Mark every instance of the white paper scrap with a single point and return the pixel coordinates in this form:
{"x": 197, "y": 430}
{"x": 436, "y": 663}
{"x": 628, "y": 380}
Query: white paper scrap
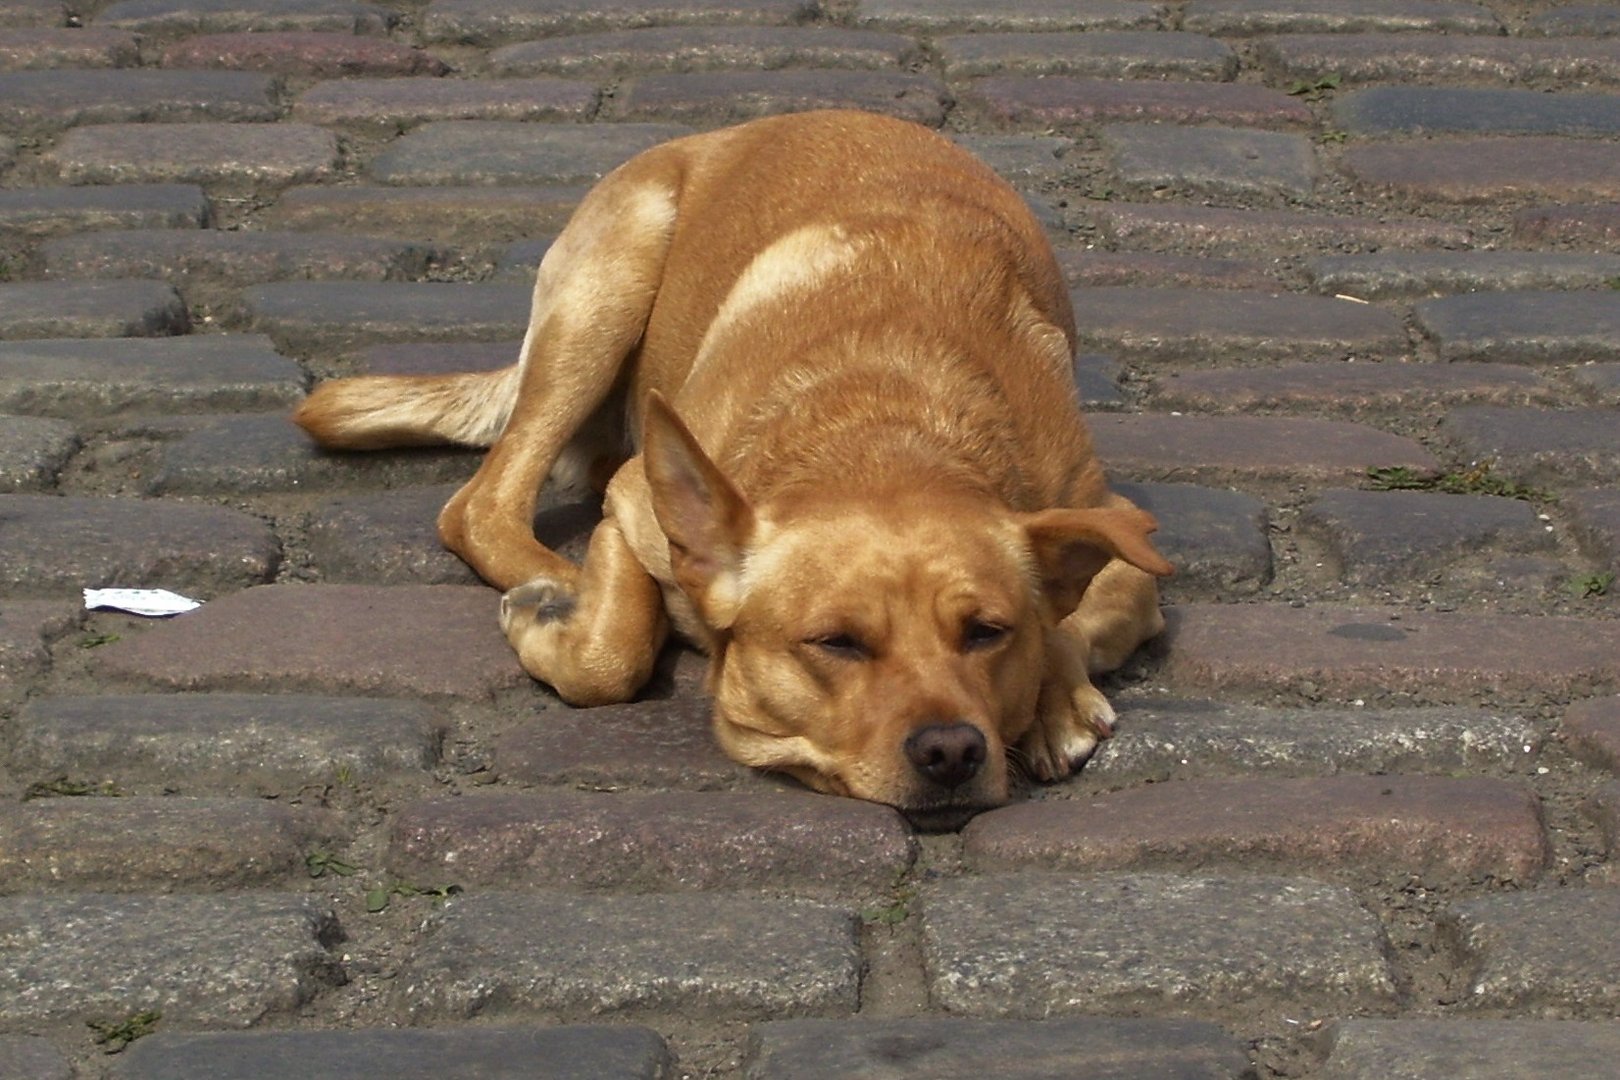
{"x": 153, "y": 602}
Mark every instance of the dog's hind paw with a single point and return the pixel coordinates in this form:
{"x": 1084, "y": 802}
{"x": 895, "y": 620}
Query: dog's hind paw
{"x": 539, "y": 601}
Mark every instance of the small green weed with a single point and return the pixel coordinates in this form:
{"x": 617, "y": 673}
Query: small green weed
{"x": 96, "y": 641}
{"x": 378, "y": 899}
{"x": 113, "y": 1035}
{"x": 1311, "y": 89}
{"x": 61, "y": 787}
{"x": 1593, "y": 585}
{"x": 1477, "y": 480}
{"x": 321, "y": 863}
{"x": 893, "y": 912}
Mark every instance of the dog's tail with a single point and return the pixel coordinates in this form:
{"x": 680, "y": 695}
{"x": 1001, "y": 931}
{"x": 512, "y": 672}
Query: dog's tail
{"x": 375, "y": 412}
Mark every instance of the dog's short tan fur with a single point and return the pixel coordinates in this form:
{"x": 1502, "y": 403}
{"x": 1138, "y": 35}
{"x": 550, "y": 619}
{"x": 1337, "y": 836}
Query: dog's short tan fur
{"x": 823, "y": 364}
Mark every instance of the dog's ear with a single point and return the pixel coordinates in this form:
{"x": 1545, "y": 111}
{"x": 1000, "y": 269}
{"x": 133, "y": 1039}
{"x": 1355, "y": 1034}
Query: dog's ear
{"x": 1071, "y": 546}
{"x": 707, "y": 520}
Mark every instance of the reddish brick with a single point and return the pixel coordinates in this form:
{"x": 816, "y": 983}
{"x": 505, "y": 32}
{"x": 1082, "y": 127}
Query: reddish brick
{"x": 487, "y": 22}
{"x": 1596, "y": 225}
{"x": 936, "y": 15}
{"x": 164, "y": 842}
{"x": 704, "y": 48}
{"x": 175, "y": 17}
{"x": 402, "y": 103}
{"x": 1216, "y": 231}
{"x": 1060, "y": 101}
{"x": 52, "y": 47}
{"x": 1431, "y": 58}
{"x": 431, "y": 640}
{"x": 1592, "y": 730}
{"x": 1479, "y": 170}
{"x": 1246, "y": 17}
{"x": 1443, "y": 830}
{"x": 1556, "y": 447}
{"x": 1212, "y": 449}
{"x": 1200, "y": 325}
{"x": 724, "y": 96}
{"x": 1349, "y": 389}
{"x": 663, "y": 840}
{"x": 298, "y": 52}
{"x": 1339, "y": 652}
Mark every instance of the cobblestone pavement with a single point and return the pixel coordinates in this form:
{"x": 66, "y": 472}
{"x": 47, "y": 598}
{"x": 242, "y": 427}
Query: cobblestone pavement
{"x": 1348, "y": 275}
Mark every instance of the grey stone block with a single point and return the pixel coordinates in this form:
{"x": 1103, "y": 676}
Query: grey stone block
{"x": 1456, "y": 1049}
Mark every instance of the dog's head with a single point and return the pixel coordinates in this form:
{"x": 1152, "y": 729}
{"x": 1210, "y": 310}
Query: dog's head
{"x": 888, "y": 651}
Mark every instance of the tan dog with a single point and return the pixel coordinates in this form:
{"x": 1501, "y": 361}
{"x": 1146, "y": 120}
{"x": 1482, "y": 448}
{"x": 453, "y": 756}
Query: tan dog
{"x": 861, "y": 482}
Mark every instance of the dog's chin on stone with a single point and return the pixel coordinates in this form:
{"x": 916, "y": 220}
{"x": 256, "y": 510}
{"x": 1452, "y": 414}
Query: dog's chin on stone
{"x": 942, "y": 818}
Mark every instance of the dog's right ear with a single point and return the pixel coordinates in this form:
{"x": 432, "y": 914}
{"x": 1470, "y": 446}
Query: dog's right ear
{"x": 706, "y": 519}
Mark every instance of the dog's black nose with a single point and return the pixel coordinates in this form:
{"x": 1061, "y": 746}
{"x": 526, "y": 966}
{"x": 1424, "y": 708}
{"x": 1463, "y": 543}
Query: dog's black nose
{"x": 948, "y": 754}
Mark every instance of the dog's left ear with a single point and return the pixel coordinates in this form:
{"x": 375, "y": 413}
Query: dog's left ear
{"x": 708, "y": 522}
{"x": 1072, "y": 546}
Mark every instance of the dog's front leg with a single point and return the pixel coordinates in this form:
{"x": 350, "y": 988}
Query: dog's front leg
{"x": 1118, "y": 612}
{"x": 593, "y": 639}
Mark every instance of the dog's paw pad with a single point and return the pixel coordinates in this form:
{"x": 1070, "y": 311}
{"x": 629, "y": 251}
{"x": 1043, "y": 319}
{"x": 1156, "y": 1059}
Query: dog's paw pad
{"x": 541, "y": 600}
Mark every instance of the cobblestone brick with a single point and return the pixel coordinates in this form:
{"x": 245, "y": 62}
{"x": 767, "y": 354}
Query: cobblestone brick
{"x": 645, "y": 744}
{"x": 47, "y": 211}
{"x": 39, "y": 309}
{"x": 403, "y": 103}
{"x": 1393, "y": 535}
{"x": 1525, "y": 327}
{"x": 26, "y": 627}
{"x": 1216, "y": 539}
{"x": 1351, "y": 390}
{"x": 249, "y": 744}
{"x": 1601, "y": 380}
{"x": 201, "y": 153}
{"x": 1218, "y": 231}
{"x": 33, "y": 451}
{"x": 1223, "y": 324}
{"x": 704, "y": 48}
{"x": 1595, "y": 520}
{"x": 1107, "y": 54}
{"x": 619, "y": 1052}
{"x": 49, "y": 47}
{"x": 33, "y": 13}
{"x": 72, "y": 377}
{"x": 955, "y": 1048}
{"x": 1341, "y": 652}
{"x": 1584, "y": 225}
{"x": 1062, "y": 102}
{"x": 658, "y": 840}
{"x": 425, "y": 640}
{"x": 1110, "y": 268}
{"x": 1427, "y": 273}
{"x": 488, "y": 22}
{"x": 154, "y": 843}
{"x": 227, "y": 961}
{"x": 33, "y": 1057}
{"x": 1432, "y": 110}
{"x": 501, "y": 152}
{"x": 1481, "y": 1049}
{"x": 1161, "y": 739}
{"x": 1212, "y": 449}
{"x": 301, "y": 52}
{"x": 1556, "y": 447}
{"x": 936, "y": 15}
{"x": 228, "y": 16}
{"x": 509, "y": 955}
{"x": 239, "y": 453}
{"x": 301, "y": 316}
{"x": 1573, "y": 19}
{"x": 1433, "y": 58}
{"x": 462, "y": 215}
{"x": 53, "y": 99}
{"x": 1550, "y": 950}
{"x": 1473, "y": 170}
{"x": 1592, "y": 730}
{"x": 1442, "y": 830}
{"x": 58, "y": 545}
{"x": 1211, "y": 161}
{"x": 713, "y": 97}
{"x": 232, "y": 257}
{"x": 1249, "y": 17}
{"x": 1026, "y": 945}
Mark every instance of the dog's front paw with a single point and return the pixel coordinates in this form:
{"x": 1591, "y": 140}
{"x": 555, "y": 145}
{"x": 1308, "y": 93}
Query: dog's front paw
{"x": 1070, "y": 724}
{"x": 539, "y": 601}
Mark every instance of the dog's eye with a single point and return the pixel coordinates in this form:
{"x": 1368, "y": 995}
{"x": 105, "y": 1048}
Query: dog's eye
{"x": 843, "y": 646}
{"x": 978, "y": 634}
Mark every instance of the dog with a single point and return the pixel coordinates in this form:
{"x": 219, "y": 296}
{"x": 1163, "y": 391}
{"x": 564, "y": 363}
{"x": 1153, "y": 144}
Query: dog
{"x": 820, "y": 367}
